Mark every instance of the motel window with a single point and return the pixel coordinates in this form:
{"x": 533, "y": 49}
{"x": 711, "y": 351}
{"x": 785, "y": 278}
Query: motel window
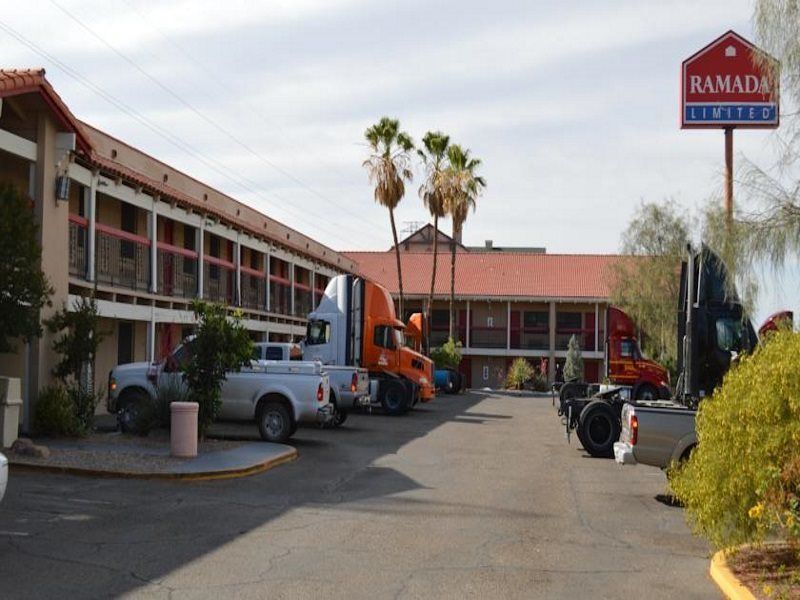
{"x": 568, "y": 321}
{"x": 127, "y": 223}
{"x": 440, "y": 318}
{"x": 536, "y": 319}
{"x": 213, "y": 270}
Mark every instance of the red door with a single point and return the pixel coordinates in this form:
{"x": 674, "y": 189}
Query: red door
{"x": 515, "y": 341}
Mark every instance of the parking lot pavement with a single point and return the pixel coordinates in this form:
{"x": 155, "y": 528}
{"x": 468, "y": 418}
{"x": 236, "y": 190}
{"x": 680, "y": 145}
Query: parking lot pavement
{"x": 470, "y": 496}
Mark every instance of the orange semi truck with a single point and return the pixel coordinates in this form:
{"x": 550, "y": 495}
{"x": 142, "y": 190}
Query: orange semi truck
{"x": 355, "y": 325}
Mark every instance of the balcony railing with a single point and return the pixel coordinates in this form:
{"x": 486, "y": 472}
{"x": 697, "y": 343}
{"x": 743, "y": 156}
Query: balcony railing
{"x": 280, "y": 295}
{"x": 122, "y": 258}
{"x": 440, "y": 333}
{"x": 530, "y": 339}
{"x": 585, "y": 338}
{"x": 303, "y": 300}
{"x": 77, "y": 245}
{"x": 218, "y": 280}
{"x": 488, "y": 337}
{"x": 177, "y": 271}
{"x": 254, "y": 289}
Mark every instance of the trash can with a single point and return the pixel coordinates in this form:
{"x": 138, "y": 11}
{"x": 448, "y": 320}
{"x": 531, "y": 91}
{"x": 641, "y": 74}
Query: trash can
{"x": 183, "y": 429}
{"x": 10, "y": 404}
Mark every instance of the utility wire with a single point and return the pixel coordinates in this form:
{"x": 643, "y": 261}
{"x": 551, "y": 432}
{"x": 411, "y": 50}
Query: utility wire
{"x": 177, "y": 97}
{"x": 155, "y": 128}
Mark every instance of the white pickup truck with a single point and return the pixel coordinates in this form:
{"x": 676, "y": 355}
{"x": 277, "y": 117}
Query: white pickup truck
{"x": 349, "y": 385}
{"x": 278, "y": 396}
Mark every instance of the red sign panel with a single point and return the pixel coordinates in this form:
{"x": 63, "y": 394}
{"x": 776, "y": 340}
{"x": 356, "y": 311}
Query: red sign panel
{"x": 722, "y": 85}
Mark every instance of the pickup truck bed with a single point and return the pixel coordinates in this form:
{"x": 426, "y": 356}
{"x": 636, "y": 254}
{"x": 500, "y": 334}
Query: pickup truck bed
{"x": 655, "y": 433}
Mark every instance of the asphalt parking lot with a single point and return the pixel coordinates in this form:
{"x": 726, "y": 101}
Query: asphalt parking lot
{"x": 476, "y": 495}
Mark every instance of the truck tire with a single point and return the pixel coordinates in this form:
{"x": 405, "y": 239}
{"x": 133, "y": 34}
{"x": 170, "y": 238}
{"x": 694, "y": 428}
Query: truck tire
{"x": 646, "y": 391}
{"x": 599, "y": 429}
{"x": 274, "y": 422}
{"x": 339, "y": 417}
{"x": 393, "y": 396}
{"x": 131, "y": 402}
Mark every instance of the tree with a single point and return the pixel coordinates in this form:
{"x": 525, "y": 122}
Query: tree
{"x": 646, "y": 284}
{"x": 573, "y": 366}
{"x": 24, "y": 289}
{"x": 432, "y": 193}
{"x": 220, "y": 345}
{"x": 462, "y": 189}
{"x": 389, "y": 167}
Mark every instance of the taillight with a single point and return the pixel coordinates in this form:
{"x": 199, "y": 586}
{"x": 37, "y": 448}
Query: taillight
{"x": 112, "y": 384}
{"x": 320, "y": 393}
{"x": 354, "y": 383}
{"x": 634, "y": 429}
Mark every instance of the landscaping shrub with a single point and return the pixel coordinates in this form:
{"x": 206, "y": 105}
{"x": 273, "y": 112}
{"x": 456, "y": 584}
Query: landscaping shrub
{"x": 518, "y": 374}
{"x": 83, "y": 404}
{"x": 448, "y": 355}
{"x": 155, "y": 413}
{"x": 742, "y": 483}
{"x": 539, "y": 381}
{"x": 573, "y": 366}
{"x": 54, "y": 413}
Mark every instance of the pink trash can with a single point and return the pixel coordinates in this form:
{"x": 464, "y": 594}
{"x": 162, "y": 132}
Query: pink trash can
{"x": 183, "y": 430}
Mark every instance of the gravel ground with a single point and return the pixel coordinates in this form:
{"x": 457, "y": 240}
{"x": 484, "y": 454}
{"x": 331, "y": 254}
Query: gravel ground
{"x": 115, "y": 452}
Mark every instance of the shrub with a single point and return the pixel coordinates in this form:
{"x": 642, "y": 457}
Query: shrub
{"x": 539, "y": 382}
{"x": 83, "y": 404}
{"x": 155, "y": 413}
{"x": 573, "y": 367}
{"x": 519, "y": 373}
{"x": 742, "y": 482}
{"x": 54, "y": 411}
{"x": 448, "y": 355}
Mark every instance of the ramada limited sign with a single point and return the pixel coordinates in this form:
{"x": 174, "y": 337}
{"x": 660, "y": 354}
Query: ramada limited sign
{"x": 725, "y": 85}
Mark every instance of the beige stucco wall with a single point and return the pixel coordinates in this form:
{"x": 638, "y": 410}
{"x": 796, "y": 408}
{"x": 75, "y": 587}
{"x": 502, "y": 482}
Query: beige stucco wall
{"x": 14, "y": 170}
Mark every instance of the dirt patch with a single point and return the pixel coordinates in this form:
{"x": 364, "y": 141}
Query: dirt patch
{"x": 771, "y": 570}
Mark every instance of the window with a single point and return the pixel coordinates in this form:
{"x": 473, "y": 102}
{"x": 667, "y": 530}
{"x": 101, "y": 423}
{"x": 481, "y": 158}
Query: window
{"x": 127, "y": 223}
{"x": 213, "y": 270}
{"x": 125, "y": 343}
{"x": 253, "y": 260}
{"x": 385, "y": 337}
{"x": 273, "y": 353}
{"x": 440, "y": 318}
{"x": 628, "y": 349}
{"x": 318, "y": 332}
{"x": 486, "y": 373}
{"x": 565, "y": 320}
{"x": 536, "y": 319}
{"x": 729, "y": 335}
{"x": 179, "y": 359}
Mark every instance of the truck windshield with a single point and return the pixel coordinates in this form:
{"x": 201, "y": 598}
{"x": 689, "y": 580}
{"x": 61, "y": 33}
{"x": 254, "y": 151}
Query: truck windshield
{"x": 729, "y": 334}
{"x": 318, "y": 332}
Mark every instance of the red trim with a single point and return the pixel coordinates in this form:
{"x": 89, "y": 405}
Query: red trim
{"x": 123, "y": 235}
{"x": 302, "y": 286}
{"x": 277, "y": 279}
{"x": 253, "y": 272}
{"x": 78, "y": 220}
{"x": 176, "y": 250}
{"x": 213, "y": 260}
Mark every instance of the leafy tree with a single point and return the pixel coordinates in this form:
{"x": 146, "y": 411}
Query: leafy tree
{"x": 78, "y": 339}
{"x": 462, "y": 189}
{"x": 573, "y": 367}
{"x": 220, "y": 345}
{"x": 432, "y": 193}
{"x": 389, "y": 168}
{"x": 646, "y": 285}
{"x": 448, "y": 355}
{"x": 24, "y": 289}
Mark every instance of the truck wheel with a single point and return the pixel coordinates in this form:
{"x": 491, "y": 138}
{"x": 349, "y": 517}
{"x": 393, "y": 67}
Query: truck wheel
{"x": 129, "y": 407}
{"x": 599, "y": 429}
{"x": 646, "y": 392}
{"x": 393, "y": 397}
{"x": 339, "y": 417}
{"x": 274, "y": 422}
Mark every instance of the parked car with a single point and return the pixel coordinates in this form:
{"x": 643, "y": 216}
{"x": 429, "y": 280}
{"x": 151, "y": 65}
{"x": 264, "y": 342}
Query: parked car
{"x": 3, "y": 475}
{"x": 349, "y": 385}
{"x": 277, "y": 396}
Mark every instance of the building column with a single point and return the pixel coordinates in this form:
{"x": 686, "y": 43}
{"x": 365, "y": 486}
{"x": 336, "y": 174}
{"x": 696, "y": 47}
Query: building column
{"x": 201, "y": 238}
{"x": 151, "y": 337}
{"x": 237, "y": 256}
{"x": 596, "y": 325}
{"x": 313, "y": 276}
{"x": 90, "y": 197}
{"x": 469, "y": 322}
{"x": 268, "y": 283}
{"x": 508, "y": 326}
{"x": 291, "y": 288}
{"x": 551, "y": 363}
{"x": 153, "y": 231}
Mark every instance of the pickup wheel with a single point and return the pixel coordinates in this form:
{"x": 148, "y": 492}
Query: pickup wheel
{"x": 339, "y": 417}
{"x": 130, "y": 404}
{"x": 393, "y": 397}
{"x": 274, "y": 422}
{"x": 599, "y": 429}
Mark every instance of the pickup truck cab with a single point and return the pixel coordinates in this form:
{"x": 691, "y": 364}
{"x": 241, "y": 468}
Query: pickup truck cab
{"x": 349, "y": 385}
{"x": 278, "y": 396}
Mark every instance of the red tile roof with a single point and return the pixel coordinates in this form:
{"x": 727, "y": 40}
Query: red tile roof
{"x": 14, "y": 82}
{"x": 506, "y": 274}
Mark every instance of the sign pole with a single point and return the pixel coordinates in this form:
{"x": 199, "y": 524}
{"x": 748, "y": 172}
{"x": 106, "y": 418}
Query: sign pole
{"x": 728, "y": 177}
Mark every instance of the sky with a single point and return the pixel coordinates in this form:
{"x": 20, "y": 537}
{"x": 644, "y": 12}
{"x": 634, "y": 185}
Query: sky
{"x": 573, "y": 107}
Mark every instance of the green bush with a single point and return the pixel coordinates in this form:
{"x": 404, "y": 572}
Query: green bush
{"x": 742, "y": 483}
{"x": 539, "y": 382}
{"x": 448, "y": 355}
{"x": 519, "y": 373}
{"x": 83, "y": 405}
{"x": 155, "y": 413}
{"x": 54, "y": 412}
{"x": 573, "y": 366}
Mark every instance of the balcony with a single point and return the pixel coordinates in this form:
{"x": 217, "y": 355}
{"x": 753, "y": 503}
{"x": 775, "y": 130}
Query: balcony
{"x": 440, "y": 333}
{"x": 530, "y": 338}
{"x": 585, "y": 338}
{"x": 177, "y": 271}
{"x": 219, "y": 278}
{"x": 77, "y": 245}
{"x": 280, "y": 295}
{"x": 254, "y": 292}
{"x": 122, "y": 258}
{"x": 488, "y": 337}
{"x": 303, "y": 300}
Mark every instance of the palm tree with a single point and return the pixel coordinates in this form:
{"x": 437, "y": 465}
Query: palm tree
{"x": 463, "y": 186}
{"x": 432, "y": 194}
{"x": 389, "y": 167}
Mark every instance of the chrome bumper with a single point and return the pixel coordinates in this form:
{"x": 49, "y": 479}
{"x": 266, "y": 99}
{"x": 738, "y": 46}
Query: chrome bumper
{"x": 623, "y": 453}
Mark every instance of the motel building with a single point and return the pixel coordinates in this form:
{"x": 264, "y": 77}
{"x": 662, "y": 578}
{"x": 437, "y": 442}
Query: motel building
{"x": 509, "y": 302}
{"x": 145, "y": 238}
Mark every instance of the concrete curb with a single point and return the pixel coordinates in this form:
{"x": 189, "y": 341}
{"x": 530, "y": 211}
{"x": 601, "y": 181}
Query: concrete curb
{"x": 727, "y": 582}
{"x": 266, "y": 465}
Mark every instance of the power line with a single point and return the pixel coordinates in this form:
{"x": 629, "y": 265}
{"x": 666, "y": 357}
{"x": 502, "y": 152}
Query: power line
{"x": 212, "y": 164}
{"x": 205, "y": 117}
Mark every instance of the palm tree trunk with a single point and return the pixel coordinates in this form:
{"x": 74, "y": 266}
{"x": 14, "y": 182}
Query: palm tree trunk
{"x": 429, "y": 315}
{"x": 453, "y": 284}
{"x": 399, "y": 269}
